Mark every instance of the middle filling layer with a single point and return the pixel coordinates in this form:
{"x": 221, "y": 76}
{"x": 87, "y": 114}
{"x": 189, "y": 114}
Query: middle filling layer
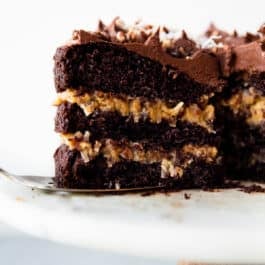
{"x": 173, "y": 163}
{"x": 156, "y": 110}
{"x": 250, "y": 103}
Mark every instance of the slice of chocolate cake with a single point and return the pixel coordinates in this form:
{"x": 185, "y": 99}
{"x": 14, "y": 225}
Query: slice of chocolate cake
{"x": 134, "y": 110}
{"x": 243, "y": 102}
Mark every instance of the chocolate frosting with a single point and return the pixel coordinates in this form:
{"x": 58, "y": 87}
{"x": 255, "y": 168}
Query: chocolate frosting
{"x": 248, "y": 57}
{"x": 202, "y": 66}
{"x": 182, "y": 47}
{"x": 239, "y": 53}
{"x": 223, "y": 37}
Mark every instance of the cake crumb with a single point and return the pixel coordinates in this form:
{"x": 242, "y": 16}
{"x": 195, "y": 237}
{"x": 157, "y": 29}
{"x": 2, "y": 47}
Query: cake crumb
{"x": 148, "y": 193}
{"x": 187, "y": 196}
{"x": 253, "y": 188}
{"x": 20, "y": 199}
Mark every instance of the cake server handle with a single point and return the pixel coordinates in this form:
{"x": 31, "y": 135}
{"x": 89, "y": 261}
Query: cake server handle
{"x": 48, "y": 184}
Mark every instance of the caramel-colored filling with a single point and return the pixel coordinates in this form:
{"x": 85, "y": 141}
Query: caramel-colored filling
{"x": 196, "y": 115}
{"x": 169, "y": 168}
{"x": 156, "y": 110}
{"x": 80, "y": 142}
{"x": 114, "y": 152}
{"x": 250, "y": 103}
{"x": 206, "y": 151}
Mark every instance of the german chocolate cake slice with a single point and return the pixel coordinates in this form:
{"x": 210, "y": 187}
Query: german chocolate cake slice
{"x": 243, "y": 102}
{"x": 134, "y": 110}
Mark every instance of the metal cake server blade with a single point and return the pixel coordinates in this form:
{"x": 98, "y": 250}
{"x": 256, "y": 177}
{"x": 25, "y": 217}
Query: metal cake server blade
{"x": 48, "y": 184}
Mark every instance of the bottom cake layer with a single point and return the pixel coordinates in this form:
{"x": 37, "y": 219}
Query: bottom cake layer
{"x": 244, "y": 170}
{"x": 72, "y": 172}
{"x": 244, "y": 161}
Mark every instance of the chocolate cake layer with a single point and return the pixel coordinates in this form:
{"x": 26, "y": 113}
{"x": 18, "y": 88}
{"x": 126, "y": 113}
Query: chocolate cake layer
{"x": 240, "y": 165}
{"x": 70, "y": 119}
{"x": 73, "y": 172}
{"x": 113, "y": 68}
{"x": 242, "y": 145}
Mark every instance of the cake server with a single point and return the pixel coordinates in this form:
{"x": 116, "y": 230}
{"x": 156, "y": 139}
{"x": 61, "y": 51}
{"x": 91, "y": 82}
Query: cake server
{"x": 48, "y": 184}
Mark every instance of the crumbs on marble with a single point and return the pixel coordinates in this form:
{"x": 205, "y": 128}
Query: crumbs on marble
{"x": 187, "y": 196}
{"x": 20, "y": 199}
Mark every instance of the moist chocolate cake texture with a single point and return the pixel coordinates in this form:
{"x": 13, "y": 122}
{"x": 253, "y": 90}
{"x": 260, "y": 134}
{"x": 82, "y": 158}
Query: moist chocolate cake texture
{"x": 242, "y": 103}
{"x": 139, "y": 106}
{"x": 135, "y": 109}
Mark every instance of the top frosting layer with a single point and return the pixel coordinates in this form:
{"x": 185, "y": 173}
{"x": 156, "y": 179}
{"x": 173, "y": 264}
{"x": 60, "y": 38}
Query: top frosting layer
{"x": 231, "y": 53}
{"x": 239, "y": 53}
{"x": 181, "y": 53}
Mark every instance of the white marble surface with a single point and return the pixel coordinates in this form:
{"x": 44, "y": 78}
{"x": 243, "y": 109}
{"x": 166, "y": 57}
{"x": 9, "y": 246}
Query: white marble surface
{"x": 17, "y": 248}
{"x": 215, "y": 227}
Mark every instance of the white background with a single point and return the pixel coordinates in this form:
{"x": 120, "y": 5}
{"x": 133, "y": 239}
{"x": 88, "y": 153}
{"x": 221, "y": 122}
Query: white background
{"x": 30, "y": 31}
